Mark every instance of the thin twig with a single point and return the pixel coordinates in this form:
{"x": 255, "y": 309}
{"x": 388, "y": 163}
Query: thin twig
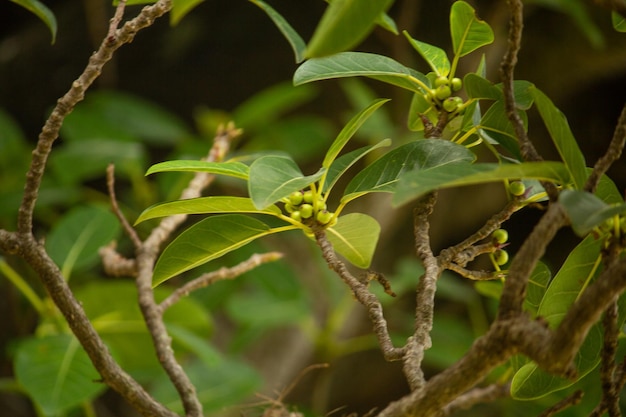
{"x": 612, "y": 154}
{"x": 132, "y": 234}
{"x": 146, "y": 258}
{"x": 219, "y": 275}
{"x": 115, "y": 264}
{"x": 476, "y": 275}
{"x": 363, "y": 295}
{"x": 563, "y": 404}
{"x": 476, "y": 396}
{"x": 425, "y": 292}
{"x": 507, "y": 69}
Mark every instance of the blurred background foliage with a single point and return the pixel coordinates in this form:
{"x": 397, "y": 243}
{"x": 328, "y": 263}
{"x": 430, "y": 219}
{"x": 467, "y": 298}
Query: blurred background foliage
{"x": 163, "y": 96}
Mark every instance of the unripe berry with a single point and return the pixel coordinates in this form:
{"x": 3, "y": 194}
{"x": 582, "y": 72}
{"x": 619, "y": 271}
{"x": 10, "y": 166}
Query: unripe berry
{"x": 517, "y": 188}
{"x": 450, "y": 104}
{"x": 324, "y": 216}
{"x": 443, "y": 92}
{"x": 296, "y": 216}
{"x": 501, "y": 257}
{"x": 306, "y": 210}
{"x": 456, "y": 84}
{"x": 296, "y": 198}
{"x": 308, "y": 196}
{"x": 441, "y": 80}
{"x": 500, "y": 236}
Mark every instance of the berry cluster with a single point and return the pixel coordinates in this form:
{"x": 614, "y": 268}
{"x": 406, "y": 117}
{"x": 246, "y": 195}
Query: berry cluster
{"x": 441, "y": 96}
{"x": 305, "y": 206}
{"x": 500, "y": 237}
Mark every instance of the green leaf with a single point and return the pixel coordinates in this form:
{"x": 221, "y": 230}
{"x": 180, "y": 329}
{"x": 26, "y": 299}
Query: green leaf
{"x": 274, "y": 177}
{"x": 562, "y": 137}
{"x": 415, "y": 184}
{"x": 354, "y": 237}
{"x": 42, "y": 12}
{"x": 383, "y": 175}
{"x": 354, "y": 64}
{"x": 345, "y": 23}
{"x": 421, "y": 106}
{"x": 579, "y": 268}
{"x": 496, "y": 128}
{"x": 619, "y": 22}
{"x": 204, "y": 205}
{"x": 231, "y": 169}
{"x": 436, "y": 57}
{"x": 294, "y": 39}
{"x": 207, "y": 240}
{"x": 75, "y": 240}
{"x": 481, "y": 88}
{"x": 349, "y": 130}
{"x": 468, "y": 31}
{"x": 57, "y": 373}
{"x": 537, "y": 286}
{"x": 344, "y": 162}
{"x": 586, "y": 211}
{"x": 180, "y": 8}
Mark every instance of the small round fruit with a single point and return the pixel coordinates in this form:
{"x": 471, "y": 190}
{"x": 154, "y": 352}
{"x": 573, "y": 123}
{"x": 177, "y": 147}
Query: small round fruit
{"x": 308, "y": 196}
{"x": 324, "y": 216}
{"x": 296, "y": 216}
{"x": 456, "y": 84}
{"x": 608, "y": 225}
{"x": 517, "y": 188}
{"x": 441, "y": 80}
{"x": 450, "y": 104}
{"x": 443, "y": 92}
{"x": 500, "y": 236}
{"x": 296, "y": 198}
{"x": 501, "y": 257}
{"x": 306, "y": 210}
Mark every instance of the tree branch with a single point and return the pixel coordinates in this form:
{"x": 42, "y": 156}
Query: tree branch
{"x": 476, "y": 396}
{"x": 219, "y": 275}
{"x": 612, "y": 154}
{"x": 363, "y": 295}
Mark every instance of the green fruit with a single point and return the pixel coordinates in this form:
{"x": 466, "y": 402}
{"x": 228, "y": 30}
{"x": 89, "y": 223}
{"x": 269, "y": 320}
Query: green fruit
{"x": 289, "y": 208}
{"x": 324, "y": 216}
{"x": 296, "y": 216}
{"x": 500, "y": 236}
{"x": 450, "y": 104}
{"x": 517, "y": 188}
{"x": 443, "y": 92}
{"x": 308, "y": 196}
{"x": 441, "y": 80}
{"x": 501, "y": 257}
{"x": 306, "y": 210}
{"x": 456, "y": 84}
{"x": 296, "y": 198}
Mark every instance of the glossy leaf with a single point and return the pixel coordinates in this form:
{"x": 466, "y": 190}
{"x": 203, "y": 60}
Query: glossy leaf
{"x": 349, "y": 130}
{"x": 42, "y": 12}
{"x": 579, "y": 268}
{"x": 297, "y": 43}
{"x": 562, "y": 137}
{"x": 496, "y": 128}
{"x": 231, "y": 169}
{"x": 468, "y": 31}
{"x": 204, "y": 205}
{"x": 207, "y": 240}
{"x": 383, "y": 174}
{"x": 345, "y": 23}
{"x": 274, "y": 177}
{"x": 75, "y": 240}
{"x": 355, "y": 237}
{"x": 415, "y": 184}
{"x": 481, "y": 88}
{"x": 537, "y": 286}
{"x": 354, "y": 64}
{"x": 434, "y": 56}
{"x": 586, "y": 211}
{"x": 57, "y": 373}
{"x": 344, "y": 162}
